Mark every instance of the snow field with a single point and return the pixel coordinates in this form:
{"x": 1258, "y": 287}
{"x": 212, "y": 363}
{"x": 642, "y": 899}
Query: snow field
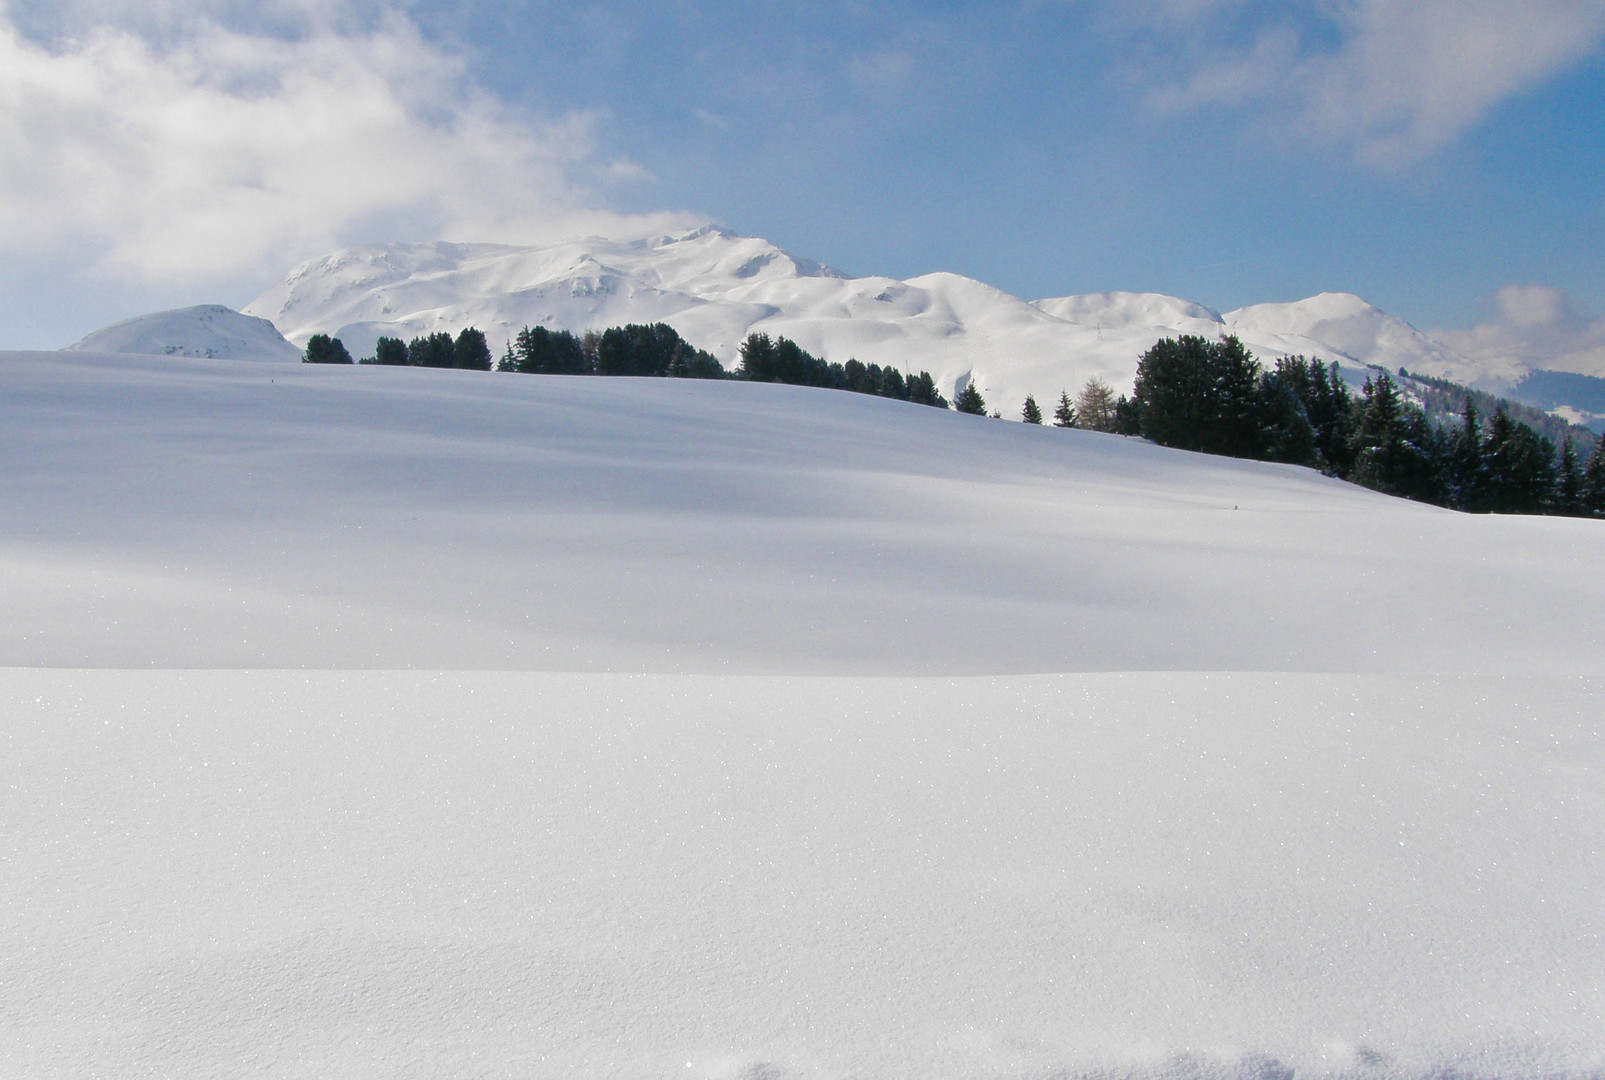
{"x": 797, "y": 735}
{"x": 313, "y": 874}
{"x": 192, "y": 513}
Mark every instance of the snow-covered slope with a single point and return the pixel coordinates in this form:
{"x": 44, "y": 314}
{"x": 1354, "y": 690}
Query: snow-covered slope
{"x": 210, "y": 330}
{"x": 831, "y": 737}
{"x": 1343, "y": 325}
{"x": 716, "y": 287}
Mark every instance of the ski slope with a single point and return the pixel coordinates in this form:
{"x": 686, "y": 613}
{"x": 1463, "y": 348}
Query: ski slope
{"x": 400, "y": 722}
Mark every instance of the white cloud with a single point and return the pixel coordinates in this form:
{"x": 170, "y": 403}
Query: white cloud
{"x": 1537, "y": 326}
{"x": 189, "y": 148}
{"x": 1391, "y": 80}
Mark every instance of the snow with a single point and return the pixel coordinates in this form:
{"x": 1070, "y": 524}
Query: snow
{"x": 716, "y": 287}
{"x": 378, "y": 722}
{"x": 1344, "y": 324}
{"x": 210, "y": 330}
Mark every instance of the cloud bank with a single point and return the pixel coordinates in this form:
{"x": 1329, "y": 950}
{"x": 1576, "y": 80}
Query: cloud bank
{"x": 1391, "y": 81}
{"x": 177, "y": 145}
{"x": 1539, "y": 326}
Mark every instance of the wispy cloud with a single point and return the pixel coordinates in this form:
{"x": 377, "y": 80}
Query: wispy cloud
{"x": 1391, "y": 81}
{"x": 176, "y": 144}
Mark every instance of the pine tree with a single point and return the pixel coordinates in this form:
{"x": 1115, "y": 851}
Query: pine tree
{"x": 1468, "y": 472}
{"x": 757, "y": 359}
{"x": 969, "y": 400}
{"x": 1521, "y": 467}
{"x": 1065, "y": 414}
{"x": 438, "y": 350}
{"x": 391, "y": 352}
{"x": 922, "y": 391}
{"x": 1569, "y": 481}
{"x": 1378, "y": 443}
{"x": 1593, "y": 492}
{"x": 471, "y": 351}
{"x": 1029, "y": 412}
{"x": 1285, "y": 433}
{"x": 1198, "y": 395}
{"x": 323, "y": 349}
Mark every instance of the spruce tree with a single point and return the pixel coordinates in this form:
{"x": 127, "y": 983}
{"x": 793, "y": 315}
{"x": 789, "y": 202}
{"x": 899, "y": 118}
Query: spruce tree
{"x": 1593, "y": 492}
{"x": 1569, "y": 481}
{"x": 471, "y": 351}
{"x": 1029, "y": 412}
{"x": 922, "y": 391}
{"x": 757, "y": 359}
{"x": 438, "y": 350}
{"x": 969, "y": 400}
{"x": 1468, "y": 471}
{"x": 1378, "y": 444}
{"x": 1285, "y": 433}
{"x": 1064, "y": 415}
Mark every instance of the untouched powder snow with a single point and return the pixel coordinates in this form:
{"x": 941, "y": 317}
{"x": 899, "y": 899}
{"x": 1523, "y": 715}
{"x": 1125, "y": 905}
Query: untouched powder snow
{"x": 794, "y": 735}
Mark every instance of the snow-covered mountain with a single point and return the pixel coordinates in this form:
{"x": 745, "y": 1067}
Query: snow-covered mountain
{"x": 716, "y": 287}
{"x": 209, "y": 330}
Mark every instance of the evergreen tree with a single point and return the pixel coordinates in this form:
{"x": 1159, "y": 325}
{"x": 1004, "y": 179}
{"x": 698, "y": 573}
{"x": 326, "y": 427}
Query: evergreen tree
{"x": 323, "y": 349}
{"x": 1198, "y": 395}
{"x": 438, "y": 350}
{"x": 391, "y": 352}
{"x": 1064, "y": 414}
{"x": 1593, "y": 492}
{"x": 1029, "y": 412}
{"x": 969, "y": 400}
{"x": 509, "y": 360}
{"x": 757, "y": 359}
{"x": 1569, "y": 481}
{"x": 922, "y": 391}
{"x": 1095, "y": 406}
{"x": 471, "y": 351}
{"x": 1467, "y": 469}
{"x": 893, "y": 384}
{"x": 854, "y": 377}
{"x": 539, "y": 351}
{"x": 1330, "y": 408}
{"x": 1521, "y": 467}
{"x": 1128, "y": 417}
{"x": 1285, "y": 433}
{"x": 1378, "y": 446}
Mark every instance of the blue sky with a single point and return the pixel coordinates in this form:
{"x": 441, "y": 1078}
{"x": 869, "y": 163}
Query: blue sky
{"x": 1425, "y": 154}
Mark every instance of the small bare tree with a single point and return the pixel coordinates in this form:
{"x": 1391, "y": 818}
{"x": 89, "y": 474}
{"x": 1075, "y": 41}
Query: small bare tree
{"x": 1095, "y": 406}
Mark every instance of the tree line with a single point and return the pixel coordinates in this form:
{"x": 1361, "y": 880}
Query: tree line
{"x": 1214, "y": 397}
{"x": 655, "y": 350}
{"x": 1190, "y": 393}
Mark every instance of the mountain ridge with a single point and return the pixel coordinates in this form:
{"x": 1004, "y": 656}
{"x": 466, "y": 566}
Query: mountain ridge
{"x": 715, "y": 287}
